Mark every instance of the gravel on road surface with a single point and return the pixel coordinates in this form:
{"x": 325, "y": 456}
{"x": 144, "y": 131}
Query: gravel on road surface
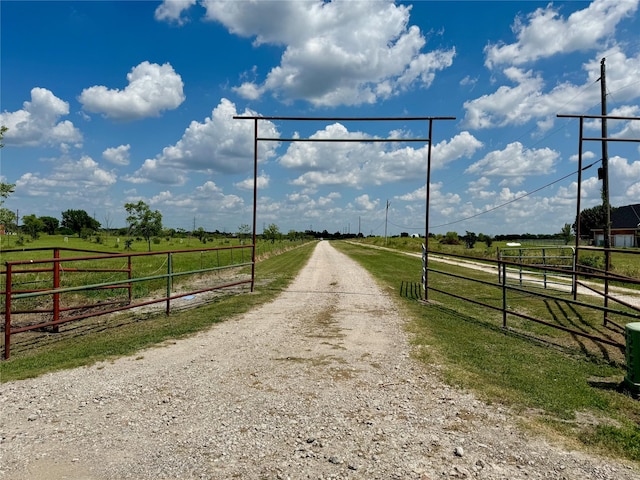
{"x": 317, "y": 384}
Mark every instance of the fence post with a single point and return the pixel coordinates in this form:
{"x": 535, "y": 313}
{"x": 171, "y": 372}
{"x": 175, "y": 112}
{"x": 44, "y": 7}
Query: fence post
{"x": 129, "y": 287}
{"x": 520, "y": 262}
{"x": 544, "y": 264}
{"x": 503, "y": 266}
{"x": 425, "y": 273}
{"x": 169, "y": 278}
{"x": 56, "y": 285}
{"x": 574, "y": 274}
{"x": 7, "y": 313}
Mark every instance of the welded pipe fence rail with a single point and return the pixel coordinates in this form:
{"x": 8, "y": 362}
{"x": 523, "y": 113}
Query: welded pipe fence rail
{"x": 46, "y": 292}
{"x": 527, "y": 288}
{"x": 561, "y": 258}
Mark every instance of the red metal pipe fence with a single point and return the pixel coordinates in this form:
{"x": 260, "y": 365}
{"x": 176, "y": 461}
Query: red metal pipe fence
{"x": 53, "y": 291}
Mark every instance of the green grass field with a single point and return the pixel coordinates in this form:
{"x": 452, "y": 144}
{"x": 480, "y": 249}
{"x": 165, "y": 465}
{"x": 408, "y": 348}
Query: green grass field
{"x": 626, "y": 262}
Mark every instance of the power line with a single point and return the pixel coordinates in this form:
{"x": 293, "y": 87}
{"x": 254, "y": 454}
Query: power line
{"x": 515, "y": 199}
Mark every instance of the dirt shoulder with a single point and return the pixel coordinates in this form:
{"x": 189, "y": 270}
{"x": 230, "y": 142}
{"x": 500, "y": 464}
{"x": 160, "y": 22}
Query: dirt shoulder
{"x": 317, "y": 384}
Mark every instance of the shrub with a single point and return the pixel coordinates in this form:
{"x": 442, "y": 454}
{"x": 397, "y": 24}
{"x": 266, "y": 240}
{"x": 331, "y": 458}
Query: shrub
{"x": 451, "y": 238}
{"x": 86, "y": 233}
{"x": 591, "y": 262}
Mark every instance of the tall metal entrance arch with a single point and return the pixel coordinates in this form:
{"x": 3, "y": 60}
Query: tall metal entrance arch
{"x": 256, "y": 138}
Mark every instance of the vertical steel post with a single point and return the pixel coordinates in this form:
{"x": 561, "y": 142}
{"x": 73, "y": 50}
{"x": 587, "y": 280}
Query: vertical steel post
{"x": 129, "y": 276}
{"x": 575, "y": 253}
{"x": 255, "y": 200}
{"x": 56, "y": 285}
{"x": 544, "y": 264}
{"x": 169, "y": 281}
{"x": 520, "y": 262}
{"x": 426, "y": 216}
{"x": 7, "y": 313}
{"x": 503, "y": 267}
{"x": 574, "y": 279}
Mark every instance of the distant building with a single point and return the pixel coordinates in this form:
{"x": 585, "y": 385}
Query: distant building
{"x": 625, "y": 227}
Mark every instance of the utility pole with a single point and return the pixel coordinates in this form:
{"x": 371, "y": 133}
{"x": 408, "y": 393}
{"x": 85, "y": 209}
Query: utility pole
{"x": 605, "y": 162}
{"x": 605, "y": 189}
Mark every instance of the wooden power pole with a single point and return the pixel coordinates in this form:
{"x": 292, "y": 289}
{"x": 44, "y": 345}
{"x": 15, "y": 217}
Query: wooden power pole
{"x": 605, "y": 162}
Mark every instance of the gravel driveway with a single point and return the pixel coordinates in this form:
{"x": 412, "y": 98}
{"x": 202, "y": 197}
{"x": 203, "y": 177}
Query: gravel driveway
{"x": 317, "y": 384}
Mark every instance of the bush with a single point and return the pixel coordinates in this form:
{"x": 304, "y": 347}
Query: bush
{"x": 451, "y": 238}
{"x": 86, "y": 233}
{"x": 591, "y": 262}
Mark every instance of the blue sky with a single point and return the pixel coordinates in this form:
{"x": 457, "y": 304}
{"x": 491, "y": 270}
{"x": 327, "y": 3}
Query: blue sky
{"x": 109, "y": 102}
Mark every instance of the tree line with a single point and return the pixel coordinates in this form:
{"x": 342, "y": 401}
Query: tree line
{"x": 145, "y": 223}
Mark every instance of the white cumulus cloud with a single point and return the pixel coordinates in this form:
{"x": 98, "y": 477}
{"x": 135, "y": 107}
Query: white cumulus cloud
{"x": 152, "y": 89}
{"x": 69, "y": 177}
{"x": 171, "y": 11}
{"x": 38, "y": 123}
{"x": 218, "y": 144}
{"x": 117, "y": 155}
{"x": 335, "y": 53}
{"x": 545, "y": 32}
{"x": 515, "y": 162}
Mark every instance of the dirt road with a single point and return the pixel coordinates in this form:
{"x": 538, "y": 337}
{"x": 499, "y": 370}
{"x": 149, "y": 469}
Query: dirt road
{"x": 317, "y": 384}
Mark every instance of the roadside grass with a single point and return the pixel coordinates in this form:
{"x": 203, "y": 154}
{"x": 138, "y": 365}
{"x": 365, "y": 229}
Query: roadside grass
{"x": 557, "y": 384}
{"x": 126, "y": 334}
{"x": 623, "y": 262}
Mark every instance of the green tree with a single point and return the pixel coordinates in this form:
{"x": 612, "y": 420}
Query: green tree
{"x": 272, "y": 232}
{"x": 76, "y": 220}
{"x": 590, "y": 219}
{"x": 565, "y": 233}
{"x": 8, "y": 219}
{"x": 32, "y": 225}
{"x": 6, "y": 189}
{"x": 244, "y": 231}
{"x": 487, "y": 239}
{"x": 470, "y": 239}
{"x": 51, "y": 224}
{"x": 142, "y": 221}
{"x": 200, "y": 234}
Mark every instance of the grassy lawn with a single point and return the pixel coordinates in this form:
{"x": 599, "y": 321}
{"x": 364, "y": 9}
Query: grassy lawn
{"x": 557, "y": 387}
